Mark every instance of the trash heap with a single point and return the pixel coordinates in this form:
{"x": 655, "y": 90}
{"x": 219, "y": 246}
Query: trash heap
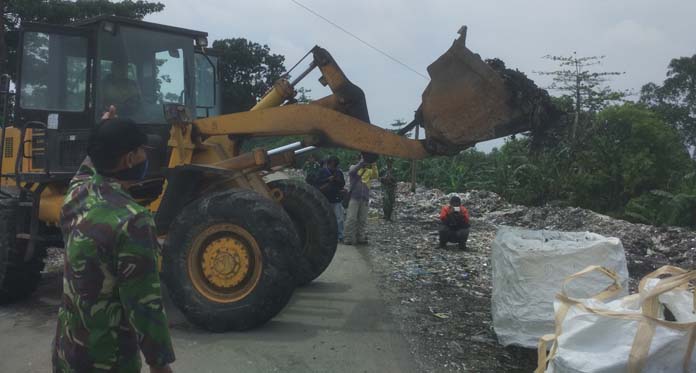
{"x": 442, "y": 298}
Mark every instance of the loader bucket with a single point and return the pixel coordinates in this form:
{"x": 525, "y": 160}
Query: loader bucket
{"x": 469, "y": 100}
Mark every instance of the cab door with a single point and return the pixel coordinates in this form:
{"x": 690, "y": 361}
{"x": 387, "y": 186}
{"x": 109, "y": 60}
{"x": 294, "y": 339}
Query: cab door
{"x": 207, "y": 84}
{"x": 54, "y": 97}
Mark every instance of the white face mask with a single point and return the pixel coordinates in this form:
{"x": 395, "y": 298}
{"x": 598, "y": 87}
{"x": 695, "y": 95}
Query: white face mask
{"x": 457, "y": 208}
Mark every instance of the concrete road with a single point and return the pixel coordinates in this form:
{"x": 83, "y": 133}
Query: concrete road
{"x": 336, "y": 324}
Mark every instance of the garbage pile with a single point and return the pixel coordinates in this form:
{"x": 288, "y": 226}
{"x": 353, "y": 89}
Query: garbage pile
{"x": 442, "y": 298}
{"x": 647, "y": 247}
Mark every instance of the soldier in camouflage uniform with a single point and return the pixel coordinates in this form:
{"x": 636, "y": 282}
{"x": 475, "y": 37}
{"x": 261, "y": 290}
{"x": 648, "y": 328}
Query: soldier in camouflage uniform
{"x": 311, "y": 170}
{"x": 111, "y": 303}
{"x": 389, "y": 189}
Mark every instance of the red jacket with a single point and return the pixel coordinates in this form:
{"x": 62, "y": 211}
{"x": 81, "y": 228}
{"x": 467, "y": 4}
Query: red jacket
{"x": 447, "y": 210}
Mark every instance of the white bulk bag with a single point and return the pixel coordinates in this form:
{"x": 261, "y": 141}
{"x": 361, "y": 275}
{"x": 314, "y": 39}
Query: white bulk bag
{"x": 628, "y": 334}
{"x": 529, "y": 266}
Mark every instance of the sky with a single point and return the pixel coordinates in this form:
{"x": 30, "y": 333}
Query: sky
{"x": 638, "y": 37}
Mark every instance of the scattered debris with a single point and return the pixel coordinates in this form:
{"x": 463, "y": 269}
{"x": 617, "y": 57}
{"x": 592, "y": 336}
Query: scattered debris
{"x": 418, "y": 279}
{"x": 441, "y": 297}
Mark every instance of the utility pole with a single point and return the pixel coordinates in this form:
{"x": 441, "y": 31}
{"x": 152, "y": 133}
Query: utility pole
{"x": 413, "y": 167}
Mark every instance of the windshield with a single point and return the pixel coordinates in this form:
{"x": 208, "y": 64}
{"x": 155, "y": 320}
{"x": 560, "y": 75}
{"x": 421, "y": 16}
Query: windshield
{"x": 139, "y": 70}
{"x": 54, "y": 72}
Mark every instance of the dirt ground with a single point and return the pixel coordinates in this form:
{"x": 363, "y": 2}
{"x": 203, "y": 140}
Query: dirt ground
{"x": 338, "y": 323}
{"x": 442, "y": 298}
{"x": 431, "y": 305}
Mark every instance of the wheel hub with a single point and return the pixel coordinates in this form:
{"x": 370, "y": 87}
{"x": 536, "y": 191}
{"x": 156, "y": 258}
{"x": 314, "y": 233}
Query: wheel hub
{"x": 225, "y": 262}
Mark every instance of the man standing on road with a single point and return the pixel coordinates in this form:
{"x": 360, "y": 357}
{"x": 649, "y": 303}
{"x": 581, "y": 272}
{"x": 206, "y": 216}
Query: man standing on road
{"x": 455, "y": 223}
{"x": 389, "y": 189}
{"x": 111, "y": 304}
{"x": 360, "y": 176}
{"x": 331, "y": 182}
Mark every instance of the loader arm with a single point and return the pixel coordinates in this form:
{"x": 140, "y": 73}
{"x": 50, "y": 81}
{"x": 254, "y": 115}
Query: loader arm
{"x": 466, "y": 101}
{"x": 330, "y": 127}
{"x": 340, "y": 119}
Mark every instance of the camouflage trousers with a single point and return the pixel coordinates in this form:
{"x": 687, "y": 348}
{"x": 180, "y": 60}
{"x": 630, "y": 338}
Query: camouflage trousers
{"x": 388, "y": 202}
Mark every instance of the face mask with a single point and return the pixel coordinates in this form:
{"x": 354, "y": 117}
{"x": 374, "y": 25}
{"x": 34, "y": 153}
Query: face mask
{"x": 457, "y": 208}
{"x": 135, "y": 173}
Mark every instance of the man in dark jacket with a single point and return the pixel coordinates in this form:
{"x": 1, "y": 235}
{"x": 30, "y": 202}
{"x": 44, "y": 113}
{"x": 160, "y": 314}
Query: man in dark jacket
{"x": 455, "y": 223}
{"x": 330, "y": 182}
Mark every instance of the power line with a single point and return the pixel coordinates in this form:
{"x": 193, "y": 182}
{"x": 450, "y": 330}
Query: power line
{"x": 358, "y": 38}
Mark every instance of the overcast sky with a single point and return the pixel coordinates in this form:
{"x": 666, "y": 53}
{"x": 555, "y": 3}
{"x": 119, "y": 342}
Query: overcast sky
{"x": 638, "y": 37}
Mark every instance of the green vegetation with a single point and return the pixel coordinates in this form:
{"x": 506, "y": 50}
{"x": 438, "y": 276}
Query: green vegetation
{"x": 248, "y": 70}
{"x": 628, "y": 160}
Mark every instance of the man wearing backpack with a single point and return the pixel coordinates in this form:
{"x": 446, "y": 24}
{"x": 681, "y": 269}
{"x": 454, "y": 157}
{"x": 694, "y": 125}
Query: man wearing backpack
{"x": 455, "y": 223}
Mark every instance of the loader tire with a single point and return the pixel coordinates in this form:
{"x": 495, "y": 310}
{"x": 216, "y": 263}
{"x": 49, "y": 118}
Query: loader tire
{"x": 18, "y": 279}
{"x": 228, "y": 261}
{"x": 315, "y": 223}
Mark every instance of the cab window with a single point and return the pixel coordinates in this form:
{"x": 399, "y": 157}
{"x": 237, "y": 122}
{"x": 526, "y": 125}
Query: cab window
{"x": 54, "y": 72}
{"x": 141, "y": 69}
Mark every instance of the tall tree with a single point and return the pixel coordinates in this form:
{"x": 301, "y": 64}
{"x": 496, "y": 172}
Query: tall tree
{"x": 59, "y": 12}
{"x": 576, "y": 79}
{"x": 632, "y": 151}
{"x": 248, "y": 70}
{"x": 675, "y": 99}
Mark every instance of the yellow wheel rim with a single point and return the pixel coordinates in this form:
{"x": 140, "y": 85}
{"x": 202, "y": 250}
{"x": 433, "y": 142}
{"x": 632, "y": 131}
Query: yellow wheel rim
{"x": 224, "y": 263}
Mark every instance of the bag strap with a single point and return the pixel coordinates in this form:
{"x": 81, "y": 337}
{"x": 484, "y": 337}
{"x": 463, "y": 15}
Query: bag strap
{"x": 542, "y": 358}
{"x": 664, "y": 270}
{"x": 649, "y": 301}
{"x": 608, "y": 292}
{"x": 564, "y": 307}
{"x": 650, "y": 306}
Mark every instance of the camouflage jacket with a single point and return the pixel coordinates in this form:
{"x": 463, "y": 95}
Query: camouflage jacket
{"x": 387, "y": 179}
{"x": 311, "y": 172}
{"x": 111, "y": 289}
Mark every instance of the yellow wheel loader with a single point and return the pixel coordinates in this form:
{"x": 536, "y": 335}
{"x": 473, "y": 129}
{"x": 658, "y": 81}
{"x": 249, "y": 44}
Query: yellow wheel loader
{"x": 235, "y": 245}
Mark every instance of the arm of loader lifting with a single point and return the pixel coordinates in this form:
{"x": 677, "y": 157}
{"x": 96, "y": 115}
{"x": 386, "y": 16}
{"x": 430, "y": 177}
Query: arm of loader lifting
{"x": 340, "y": 119}
{"x": 330, "y": 127}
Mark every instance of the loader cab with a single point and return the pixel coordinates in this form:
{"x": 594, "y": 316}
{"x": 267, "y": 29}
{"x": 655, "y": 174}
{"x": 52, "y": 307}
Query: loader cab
{"x": 70, "y": 75}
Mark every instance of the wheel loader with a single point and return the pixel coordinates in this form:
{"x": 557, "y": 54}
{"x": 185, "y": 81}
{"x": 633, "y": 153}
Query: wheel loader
{"x": 235, "y": 245}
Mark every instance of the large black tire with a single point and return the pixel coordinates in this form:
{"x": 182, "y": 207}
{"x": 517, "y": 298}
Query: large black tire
{"x": 18, "y": 279}
{"x": 264, "y": 239}
{"x": 315, "y": 223}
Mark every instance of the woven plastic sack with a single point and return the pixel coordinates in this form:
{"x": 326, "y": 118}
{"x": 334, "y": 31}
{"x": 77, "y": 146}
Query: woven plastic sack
{"x": 528, "y": 269}
{"x": 630, "y": 334}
